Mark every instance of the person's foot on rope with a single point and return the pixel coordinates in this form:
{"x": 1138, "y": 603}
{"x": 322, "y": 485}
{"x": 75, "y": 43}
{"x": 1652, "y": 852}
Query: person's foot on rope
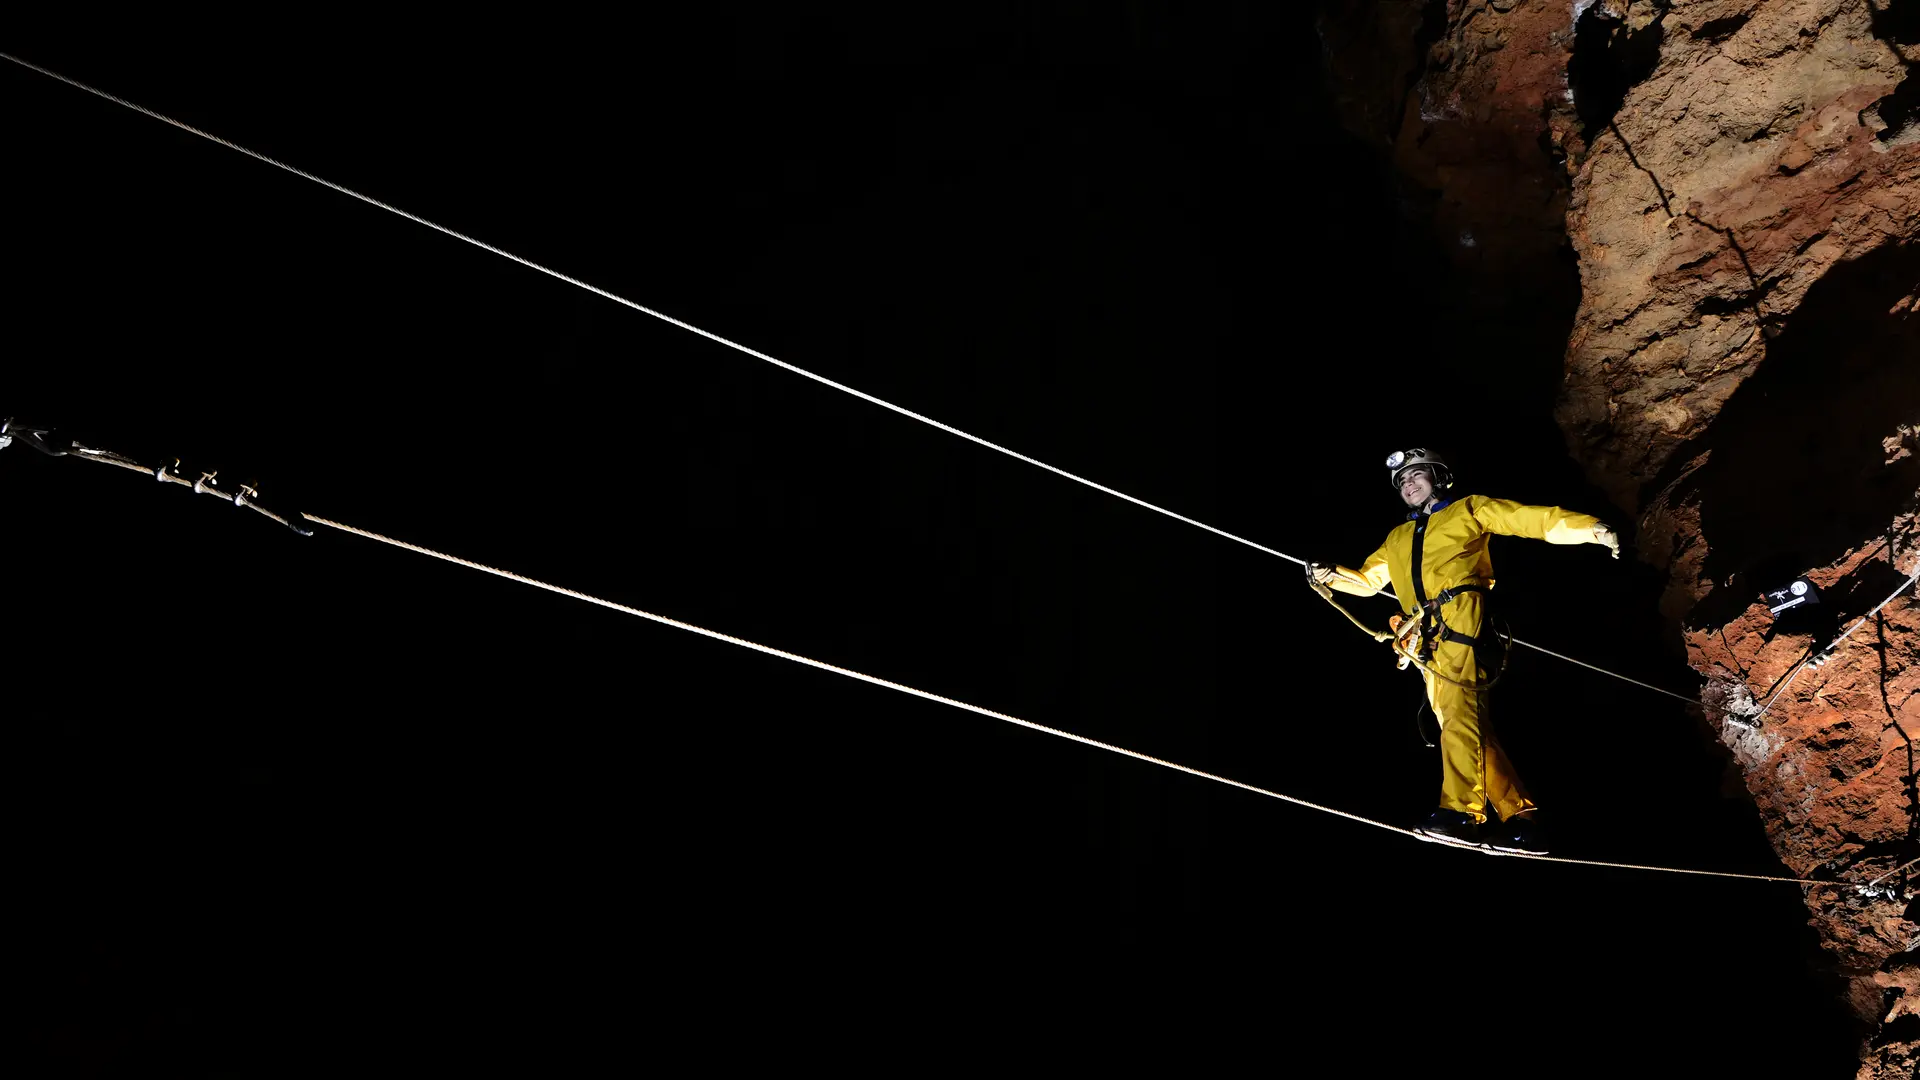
{"x": 1450, "y": 827}
{"x": 1522, "y": 834}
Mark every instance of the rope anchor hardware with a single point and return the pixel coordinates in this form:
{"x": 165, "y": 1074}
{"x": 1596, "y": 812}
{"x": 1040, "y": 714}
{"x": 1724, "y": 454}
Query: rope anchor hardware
{"x": 1818, "y": 657}
{"x": 166, "y": 474}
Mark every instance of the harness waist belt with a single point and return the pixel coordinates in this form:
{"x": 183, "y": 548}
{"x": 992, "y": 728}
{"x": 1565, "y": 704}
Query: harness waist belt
{"x": 1434, "y": 628}
{"x": 1446, "y": 595}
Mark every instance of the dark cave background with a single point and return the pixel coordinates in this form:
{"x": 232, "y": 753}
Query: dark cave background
{"x": 288, "y": 804}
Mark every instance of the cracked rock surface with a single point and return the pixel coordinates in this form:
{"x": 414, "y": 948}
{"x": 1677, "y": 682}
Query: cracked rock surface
{"x": 1748, "y": 164}
{"x": 1744, "y": 373}
{"x": 1740, "y": 183}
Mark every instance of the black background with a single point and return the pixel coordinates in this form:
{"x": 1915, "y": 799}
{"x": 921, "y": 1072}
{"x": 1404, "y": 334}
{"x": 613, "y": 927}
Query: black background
{"x": 293, "y": 804}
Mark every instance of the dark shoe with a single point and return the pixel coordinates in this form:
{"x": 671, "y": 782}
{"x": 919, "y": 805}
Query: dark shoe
{"x": 1450, "y": 827}
{"x": 1519, "y": 836}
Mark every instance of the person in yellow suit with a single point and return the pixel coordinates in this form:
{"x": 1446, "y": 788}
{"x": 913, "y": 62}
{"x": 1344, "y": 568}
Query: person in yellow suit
{"x": 1437, "y": 563}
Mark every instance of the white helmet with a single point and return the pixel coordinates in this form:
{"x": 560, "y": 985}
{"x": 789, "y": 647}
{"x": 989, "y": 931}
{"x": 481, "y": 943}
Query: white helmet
{"x": 1400, "y": 461}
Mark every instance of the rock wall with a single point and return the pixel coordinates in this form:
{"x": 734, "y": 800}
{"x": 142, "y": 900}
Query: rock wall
{"x": 1744, "y": 372}
{"x": 1740, "y": 182}
{"x": 1750, "y": 162}
{"x": 1465, "y": 97}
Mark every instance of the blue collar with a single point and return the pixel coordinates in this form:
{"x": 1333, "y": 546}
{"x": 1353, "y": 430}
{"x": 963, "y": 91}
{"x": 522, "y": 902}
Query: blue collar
{"x": 1413, "y": 515}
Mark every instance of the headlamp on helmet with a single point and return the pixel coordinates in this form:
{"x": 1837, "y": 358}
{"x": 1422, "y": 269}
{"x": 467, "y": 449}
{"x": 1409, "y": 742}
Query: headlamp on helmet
{"x": 1400, "y": 461}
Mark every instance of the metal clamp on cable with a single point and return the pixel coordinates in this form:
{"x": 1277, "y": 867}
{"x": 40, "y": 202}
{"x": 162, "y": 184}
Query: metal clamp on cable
{"x": 41, "y": 439}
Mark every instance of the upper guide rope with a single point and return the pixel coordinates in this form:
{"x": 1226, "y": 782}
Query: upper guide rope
{"x": 709, "y": 335}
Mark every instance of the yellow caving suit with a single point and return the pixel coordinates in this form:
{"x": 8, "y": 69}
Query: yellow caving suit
{"x": 1451, "y": 546}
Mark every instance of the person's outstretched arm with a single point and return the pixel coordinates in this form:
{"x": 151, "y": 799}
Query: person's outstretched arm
{"x": 1366, "y": 581}
{"x": 1549, "y": 523}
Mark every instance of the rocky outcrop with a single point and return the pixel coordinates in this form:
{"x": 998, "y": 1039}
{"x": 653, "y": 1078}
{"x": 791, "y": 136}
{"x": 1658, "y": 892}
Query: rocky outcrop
{"x": 1466, "y": 98}
{"x": 1373, "y": 50}
{"x": 1740, "y": 182}
{"x": 1769, "y": 144}
{"x": 1744, "y": 373}
{"x": 1830, "y": 764}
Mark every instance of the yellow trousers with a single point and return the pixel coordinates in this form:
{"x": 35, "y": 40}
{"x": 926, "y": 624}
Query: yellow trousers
{"x": 1474, "y": 771}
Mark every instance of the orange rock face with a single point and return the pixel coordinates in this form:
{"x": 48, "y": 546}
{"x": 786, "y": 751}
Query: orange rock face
{"x": 1476, "y": 130}
{"x": 1750, "y": 163}
{"x": 1740, "y": 181}
{"x": 1473, "y": 122}
{"x": 1744, "y": 373}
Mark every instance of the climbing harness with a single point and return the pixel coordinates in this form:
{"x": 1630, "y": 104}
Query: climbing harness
{"x": 1434, "y": 628}
{"x": 1404, "y": 645}
{"x": 1410, "y": 646}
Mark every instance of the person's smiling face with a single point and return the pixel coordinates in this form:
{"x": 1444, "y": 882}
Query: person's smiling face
{"x": 1416, "y": 486}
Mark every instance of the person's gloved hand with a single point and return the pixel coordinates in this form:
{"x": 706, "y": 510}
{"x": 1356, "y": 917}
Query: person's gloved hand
{"x": 1320, "y": 573}
{"x": 1604, "y": 535}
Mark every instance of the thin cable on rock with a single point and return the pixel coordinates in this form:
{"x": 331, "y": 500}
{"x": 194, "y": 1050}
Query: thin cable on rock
{"x": 1812, "y": 656}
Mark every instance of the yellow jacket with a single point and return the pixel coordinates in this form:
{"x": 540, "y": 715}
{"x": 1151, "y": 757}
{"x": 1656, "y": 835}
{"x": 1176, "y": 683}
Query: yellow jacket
{"x": 1454, "y": 547}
